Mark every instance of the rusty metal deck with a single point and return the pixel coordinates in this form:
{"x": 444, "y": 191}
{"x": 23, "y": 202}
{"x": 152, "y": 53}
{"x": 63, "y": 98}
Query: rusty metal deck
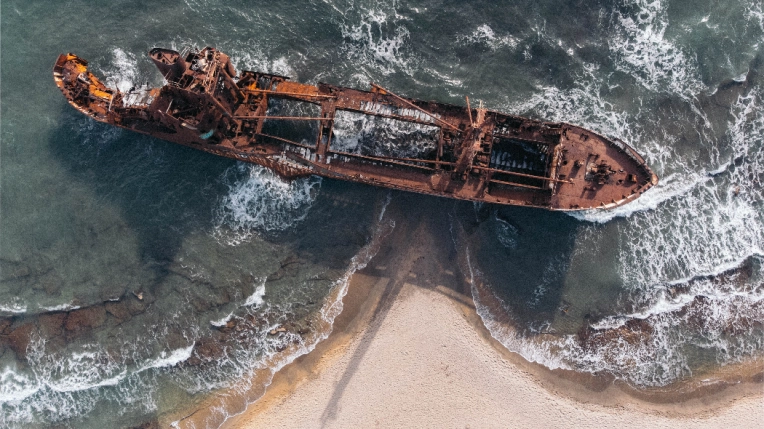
{"x": 374, "y": 137}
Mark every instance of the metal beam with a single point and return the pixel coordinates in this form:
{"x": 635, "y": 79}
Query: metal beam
{"x": 292, "y": 94}
{"x": 501, "y": 182}
{"x": 530, "y": 176}
{"x": 410, "y": 104}
{"x": 286, "y": 118}
{"x": 385, "y": 160}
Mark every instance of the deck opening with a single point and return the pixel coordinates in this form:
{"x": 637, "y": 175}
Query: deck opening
{"x": 301, "y": 131}
{"x": 376, "y": 136}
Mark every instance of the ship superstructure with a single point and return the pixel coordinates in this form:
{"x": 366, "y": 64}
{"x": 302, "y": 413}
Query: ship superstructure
{"x": 374, "y": 137}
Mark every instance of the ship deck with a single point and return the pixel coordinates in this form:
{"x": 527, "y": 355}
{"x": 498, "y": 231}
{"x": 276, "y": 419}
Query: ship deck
{"x": 375, "y": 137}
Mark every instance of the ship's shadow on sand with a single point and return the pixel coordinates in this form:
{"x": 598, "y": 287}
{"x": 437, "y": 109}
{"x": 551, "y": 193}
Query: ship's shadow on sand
{"x": 427, "y": 248}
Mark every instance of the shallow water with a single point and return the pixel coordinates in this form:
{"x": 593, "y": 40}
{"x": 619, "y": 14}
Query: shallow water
{"x": 137, "y": 277}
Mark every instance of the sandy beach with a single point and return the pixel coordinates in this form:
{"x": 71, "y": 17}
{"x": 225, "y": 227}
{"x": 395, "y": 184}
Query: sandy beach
{"x": 409, "y": 350}
{"x": 423, "y": 364}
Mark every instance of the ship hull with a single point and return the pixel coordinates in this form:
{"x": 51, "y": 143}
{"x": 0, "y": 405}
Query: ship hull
{"x": 373, "y": 137}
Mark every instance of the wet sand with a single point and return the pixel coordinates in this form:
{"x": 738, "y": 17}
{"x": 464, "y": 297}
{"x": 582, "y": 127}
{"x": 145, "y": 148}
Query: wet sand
{"x": 409, "y": 350}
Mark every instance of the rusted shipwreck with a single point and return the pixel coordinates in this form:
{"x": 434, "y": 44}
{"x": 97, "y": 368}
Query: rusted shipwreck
{"x": 374, "y": 137}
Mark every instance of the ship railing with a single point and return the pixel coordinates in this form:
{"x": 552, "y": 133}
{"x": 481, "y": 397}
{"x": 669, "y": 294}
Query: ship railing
{"x": 628, "y": 150}
{"x": 519, "y": 185}
{"x": 407, "y": 162}
{"x": 283, "y": 140}
{"x": 518, "y": 174}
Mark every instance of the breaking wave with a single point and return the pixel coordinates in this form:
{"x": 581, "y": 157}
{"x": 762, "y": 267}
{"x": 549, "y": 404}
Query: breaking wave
{"x": 485, "y": 35}
{"x": 276, "y": 351}
{"x": 13, "y": 306}
{"x": 653, "y": 347}
{"x": 260, "y": 201}
{"x": 641, "y": 48}
{"x": 689, "y": 259}
{"x": 122, "y": 73}
{"x": 57, "y": 387}
{"x": 714, "y": 226}
{"x": 582, "y": 105}
{"x": 378, "y": 43}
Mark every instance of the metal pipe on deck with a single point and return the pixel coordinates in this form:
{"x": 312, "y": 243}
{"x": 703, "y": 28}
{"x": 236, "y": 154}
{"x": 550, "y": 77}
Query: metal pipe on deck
{"x": 442, "y": 122}
{"x": 286, "y": 118}
{"x": 295, "y": 94}
{"x": 530, "y": 176}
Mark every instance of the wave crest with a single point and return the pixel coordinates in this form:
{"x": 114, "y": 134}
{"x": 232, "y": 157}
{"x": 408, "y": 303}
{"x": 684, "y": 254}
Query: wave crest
{"x": 260, "y": 201}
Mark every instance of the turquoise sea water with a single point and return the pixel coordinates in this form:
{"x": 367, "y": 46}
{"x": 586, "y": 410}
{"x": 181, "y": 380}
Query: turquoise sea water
{"x": 137, "y": 277}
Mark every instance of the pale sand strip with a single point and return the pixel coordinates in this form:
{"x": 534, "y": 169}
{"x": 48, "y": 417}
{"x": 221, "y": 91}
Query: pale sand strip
{"x": 422, "y": 360}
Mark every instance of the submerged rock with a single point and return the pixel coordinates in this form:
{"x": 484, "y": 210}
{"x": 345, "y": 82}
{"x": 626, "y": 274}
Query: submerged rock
{"x": 90, "y": 317}
{"x": 118, "y": 310}
{"x": 19, "y": 339}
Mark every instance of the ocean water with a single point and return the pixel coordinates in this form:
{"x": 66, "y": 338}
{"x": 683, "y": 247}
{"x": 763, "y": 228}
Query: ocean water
{"x": 138, "y": 278}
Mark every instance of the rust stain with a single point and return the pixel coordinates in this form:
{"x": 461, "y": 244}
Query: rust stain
{"x": 480, "y": 155}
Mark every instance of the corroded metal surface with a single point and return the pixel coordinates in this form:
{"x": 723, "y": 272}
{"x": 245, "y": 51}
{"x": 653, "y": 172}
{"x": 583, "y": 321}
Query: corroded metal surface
{"x": 374, "y": 137}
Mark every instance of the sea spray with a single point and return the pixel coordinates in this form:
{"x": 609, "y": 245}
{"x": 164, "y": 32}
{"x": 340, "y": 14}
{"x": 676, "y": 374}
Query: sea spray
{"x": 260, "y": 201}
{"x": 123, "y": 72}
{"x": 378, "y": 42}
{"x": 642, "y": 49}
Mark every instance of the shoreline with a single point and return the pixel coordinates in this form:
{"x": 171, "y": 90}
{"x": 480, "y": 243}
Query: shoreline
{"x": 741, "y": 405}
{"x": 407, "y": 267}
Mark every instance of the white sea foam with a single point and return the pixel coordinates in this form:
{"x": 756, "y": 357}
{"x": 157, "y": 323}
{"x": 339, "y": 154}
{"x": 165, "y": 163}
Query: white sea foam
{"x": 60, "y": 387}
{"x": 665, "y": 303}
{"x": 582, "y": 105}
{"x": 60, "y": 307}
{"x": 81, "y": 370}
{"x": 640, "y": 48}
{"x": 275, "y": 351}
{"x": 695, "y": 224}
{"x": 712, "y": 315}
{"x": 715, "y": 225}
{"x": 253, "y": 58}
{"x": 484, "y": 35}
{"x": 755, "y": 12}
{"x": 671, "y": 186}
{"x": 456, "y": 83}
{"x": 377, "y": 44}
{"x": 110, "y": 381}
{"x": 698, "y": 226}
{"x": 13, "y": 305}
{"x": 256, "y": 298}
{"x": 652, "y": 357}
{"x": 16, "y": 386}
{"x": 169, "y": 359}
{"x": 542, "y": 352}
{"x": 262, "y": 202}
{"x": 741, "y": 77}
{"x": 122, "y": 73}
{"x": 31, "y": 399}
{"x": 506, "y": 233}
{"x": 222, "y": 322}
